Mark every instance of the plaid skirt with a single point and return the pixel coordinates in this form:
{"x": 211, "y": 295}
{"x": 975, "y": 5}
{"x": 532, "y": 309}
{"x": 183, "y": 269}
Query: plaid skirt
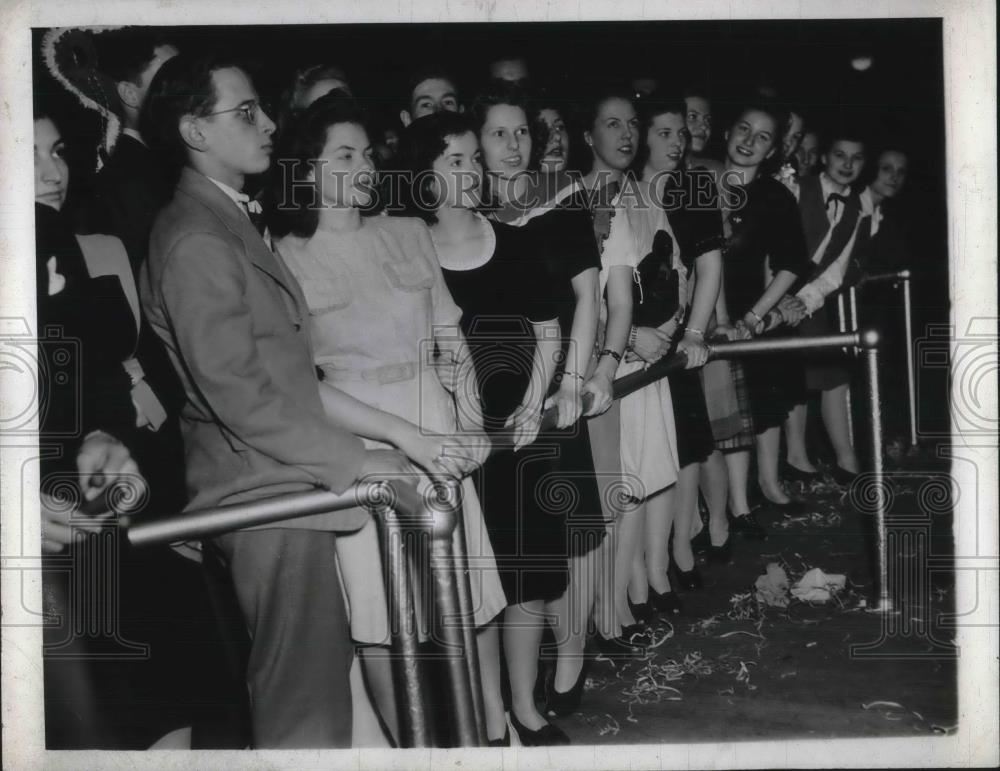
{"x": 728, "y": 404}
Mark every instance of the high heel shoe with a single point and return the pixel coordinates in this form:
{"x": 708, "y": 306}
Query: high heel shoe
{"x": 641, "y": 611}
{"x": 633, "y": 640}
{"x": 842, "y": 476}
{"x": 721, "y": 555}
{"x": 546, "y": 736}
{"x": 667, "y": 603}
{"x": 747, "y": 526}
{"x": 560, "y": 703}
{"x": 688, "y": 580}
{"x": 795, "y": 474}
{"x": 504, "y": 742}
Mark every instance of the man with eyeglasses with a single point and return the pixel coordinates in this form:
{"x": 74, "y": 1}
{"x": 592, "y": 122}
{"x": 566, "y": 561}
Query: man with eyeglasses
{"x": 236, "y": 326}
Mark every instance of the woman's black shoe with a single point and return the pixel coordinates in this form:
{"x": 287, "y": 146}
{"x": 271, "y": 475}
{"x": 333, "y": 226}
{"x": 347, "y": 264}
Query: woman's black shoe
{"x": 702, "y": 542}
{"x": 842, "y": 476}
{"x": 667, "y": 603}
{"x": 795, "y": 474}
{"x": 688, "y": 580}
{"x": 561, "y": 703}
{"x": 721, "y": 555}
{"x": 634, "y": 639}
{"x": 504, "y": 742}
{"x": 546, "y": 736}
{"x": 748, "y": 527}
{"x": 642, "y": 611}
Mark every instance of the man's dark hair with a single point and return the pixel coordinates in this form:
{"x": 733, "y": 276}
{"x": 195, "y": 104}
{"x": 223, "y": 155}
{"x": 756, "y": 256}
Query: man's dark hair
{"x": 297, "y": 155}
{"x": 183, "y": 86}
{"x": 123, "y": 54}
{"x": 422, "y": 143}
{"x": 428, "y": 72}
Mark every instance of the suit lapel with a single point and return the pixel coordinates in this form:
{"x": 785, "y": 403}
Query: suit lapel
{"x": 260, "y": 256}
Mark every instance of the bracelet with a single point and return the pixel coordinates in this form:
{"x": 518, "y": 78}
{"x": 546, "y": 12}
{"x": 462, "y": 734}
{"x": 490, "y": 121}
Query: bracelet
{"x": 756, "y": 315}
{"x": 696, "y": 332}
{"x": 568, "y": 373}
{"x": 633, "y": 333}
{"x": 613, "y": 354}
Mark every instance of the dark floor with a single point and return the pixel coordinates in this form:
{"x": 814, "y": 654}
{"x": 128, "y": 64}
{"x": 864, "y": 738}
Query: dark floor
{"x": 731, "y": 668}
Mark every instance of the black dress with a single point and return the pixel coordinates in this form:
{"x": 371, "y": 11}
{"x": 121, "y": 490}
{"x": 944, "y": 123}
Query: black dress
{"x": 697, "y": 226}
{"x": 766, "y": 228}
{"x": 531, "y": 496}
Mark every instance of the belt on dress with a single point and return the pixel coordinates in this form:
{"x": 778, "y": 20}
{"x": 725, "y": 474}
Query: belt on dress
{"x": 390, "y": 373}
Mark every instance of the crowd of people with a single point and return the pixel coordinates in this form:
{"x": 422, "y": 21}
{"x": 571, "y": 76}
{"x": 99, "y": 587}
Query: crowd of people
{"x": 272, "y": 301}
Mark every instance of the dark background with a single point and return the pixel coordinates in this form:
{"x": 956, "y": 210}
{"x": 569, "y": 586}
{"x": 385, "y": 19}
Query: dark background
{"x": 898, "y": 101}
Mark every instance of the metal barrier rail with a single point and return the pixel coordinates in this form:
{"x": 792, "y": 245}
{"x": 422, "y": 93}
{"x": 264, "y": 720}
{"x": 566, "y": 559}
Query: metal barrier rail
{"x": 399, "y": 507}
{"x": 895, "y": 277}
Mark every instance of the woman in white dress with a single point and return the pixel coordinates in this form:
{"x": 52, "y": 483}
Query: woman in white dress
{"x": 379, "y": 309}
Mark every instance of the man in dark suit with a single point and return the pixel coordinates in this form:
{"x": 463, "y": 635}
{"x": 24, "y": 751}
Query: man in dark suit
{"x": 235, "y": 325}
{"x": 132, "y": 187}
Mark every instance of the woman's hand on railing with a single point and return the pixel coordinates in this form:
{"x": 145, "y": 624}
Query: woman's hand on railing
{"x": 387, "y": 463}
{"x": 568, "y": 400}
{"x": 524, "y": 422}
{"x": 441, "y": 457}
{"x": 650, "y": 345}
{"x": 693, "y": 346}
{"x": 792, "y": 310}
{"x": 601, "y": 388}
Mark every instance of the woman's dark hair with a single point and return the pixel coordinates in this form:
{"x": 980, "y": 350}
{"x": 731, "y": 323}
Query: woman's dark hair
{"x": 871, "y": 169}
{"x": 650, "y": 108}
{"x": 183, "y": 86}
{"x": 422, "y": 143}
{"x": 299, "y": 149}
{"x": 586, "y": 114}
{"x": 545, "y": 99}
{"x": 779, "y": 115}
{"x": 499, "y": 92}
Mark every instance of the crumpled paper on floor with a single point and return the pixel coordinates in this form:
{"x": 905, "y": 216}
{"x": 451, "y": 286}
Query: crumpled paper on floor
{"x": 772, "y": 587}
{"x": 817, "y": 586}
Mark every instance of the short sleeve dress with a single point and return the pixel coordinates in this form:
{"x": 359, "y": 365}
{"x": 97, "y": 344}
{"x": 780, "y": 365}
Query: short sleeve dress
{"x": 766, "y": 230}
{"x": 535, "y": 499}
{"x": 692, "y": 231}
{"x": 375, "y": 296}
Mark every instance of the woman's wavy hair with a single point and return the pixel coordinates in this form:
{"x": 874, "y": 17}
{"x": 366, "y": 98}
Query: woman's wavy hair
{"x": 422, "y": 143}
{"x": 297, "y": 209}
{"x": 650, "y": 108}
{"x": 499, "y": 92}
{"x": 779, "y": 114}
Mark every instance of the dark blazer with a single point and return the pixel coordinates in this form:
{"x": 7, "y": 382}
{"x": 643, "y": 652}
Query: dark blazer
{"x": 129, "y": 192}
{"x": 235, "y": 325}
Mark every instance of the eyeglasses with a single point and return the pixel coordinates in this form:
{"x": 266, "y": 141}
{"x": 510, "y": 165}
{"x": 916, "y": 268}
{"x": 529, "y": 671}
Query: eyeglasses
{"x": 249, "y": 112}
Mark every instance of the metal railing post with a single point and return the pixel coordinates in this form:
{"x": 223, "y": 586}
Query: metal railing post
{"x": 442, "y": 505}
{"x": 908, "y": 330}
{"x": 413, "y": 708}
{"x": 870, "y": 343}
{"x": 463, "y": 573}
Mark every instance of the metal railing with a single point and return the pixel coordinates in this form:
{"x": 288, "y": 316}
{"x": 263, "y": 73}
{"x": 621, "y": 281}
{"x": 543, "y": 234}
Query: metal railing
{"x": 897, "y": 278}
{"x": 398, "y": 508}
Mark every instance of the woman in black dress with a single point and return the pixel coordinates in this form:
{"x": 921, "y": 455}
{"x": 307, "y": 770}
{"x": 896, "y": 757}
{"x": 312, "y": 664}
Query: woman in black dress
{"x": 764, "y": 254}
{"x": 571, "y": 262}
{"x": 497, "y": 278}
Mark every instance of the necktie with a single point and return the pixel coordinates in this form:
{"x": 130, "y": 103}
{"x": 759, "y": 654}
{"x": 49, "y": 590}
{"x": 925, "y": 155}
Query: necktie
{"x": 835, "y": 197}
{"x": 254, "y": 211}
